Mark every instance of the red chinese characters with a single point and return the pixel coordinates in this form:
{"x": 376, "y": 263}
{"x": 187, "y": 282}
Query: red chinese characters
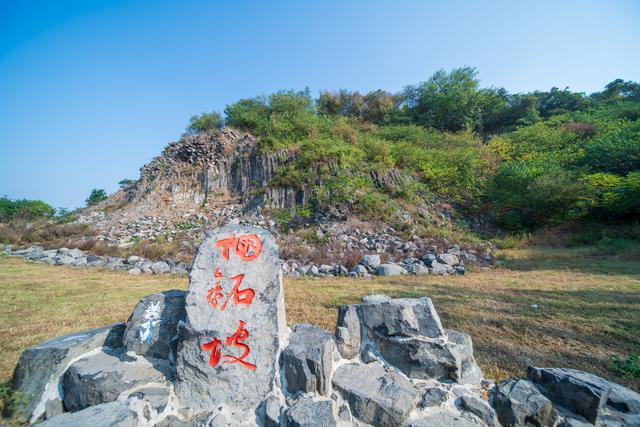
{"x": 237, "y": 296}
{"x": 247, "y": 247}
{"x": 235, "y": 340}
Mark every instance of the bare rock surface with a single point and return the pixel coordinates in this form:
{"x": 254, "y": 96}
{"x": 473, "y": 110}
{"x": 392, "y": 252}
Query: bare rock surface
{"x": 39, "y": 367}
{"x": 113, "y": 414}
{"x": 308, "y": 360}
{"x": 152, "y": 327}
{"x": 102, "y": 377}
{"x": 376, "y": 395}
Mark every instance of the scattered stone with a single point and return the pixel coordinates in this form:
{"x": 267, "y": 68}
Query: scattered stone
{"x": 370, "y": 262}
{"x": 160, "y": 267}
{"x": 449, "y": 259}
{"x": 390, "y": 269}
{"x": 376, "y": 396}
{"x": 308, "y": 360}
{"x": 308, "y": 412}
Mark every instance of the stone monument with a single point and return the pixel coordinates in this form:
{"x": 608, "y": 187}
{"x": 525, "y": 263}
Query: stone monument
{"x": 235, "y": 323}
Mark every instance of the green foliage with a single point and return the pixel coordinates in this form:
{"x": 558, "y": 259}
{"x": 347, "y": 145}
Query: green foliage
{"x": 26, "y": 209}
{"x": 629, "y": 366}
{"x": 531, "y": 193}
{"x": 125, "y": 183}
{"x": 532, "y": 159}
{"x": 447, "y": 101}
{"x": 613, "y": 194}
{"x": 96, "y": 196}
{"x": 205, "y": 122}
{"x": 616, "y": 152}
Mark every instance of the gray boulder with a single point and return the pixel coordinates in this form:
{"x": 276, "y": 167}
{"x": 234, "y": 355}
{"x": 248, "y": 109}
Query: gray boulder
{"x": 401, "y": 316}
{"x": 449, "y": 259}
{"x": 308, "y": 360}
{"x": 273, "y": 409}
{"x": 113, "y": 414}
{"x": 96, "y": 261}
{"x": 461, "y": 345}
{"x": 419, "y": 358}
{"x": 447, "y": 418}
{"x": 39, "y": 368}
{"x": 309, "y": 412}
{"x": 441, "y": 269}
{"x": 428, "y": 259}
{"x": 152, "y": 326}
{"x": 434, "y": 396}
{"x": 391, "y": 269}
{"x": 588, "y": 395}
{"x": 156, "y": 396}
{"x": 481, "y": 409}
{"x": 359, "y": 271}
{"x": 160, "y": 267}
{"x": 101, "y": 377}
{"x": 371, "y": 262}
{"x": 519, "y": 403}
{"x": 348, "y": 333}
{"x": 230, "y": 357}
{"x": 375, "y": 395}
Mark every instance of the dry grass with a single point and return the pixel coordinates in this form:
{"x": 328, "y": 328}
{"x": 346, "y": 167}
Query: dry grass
{"x": 588, "y": 306}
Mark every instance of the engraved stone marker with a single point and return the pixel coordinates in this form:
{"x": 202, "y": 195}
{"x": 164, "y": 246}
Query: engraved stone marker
{"x": 235, "y": 322}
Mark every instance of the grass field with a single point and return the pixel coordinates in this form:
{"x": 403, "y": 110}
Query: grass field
{"x": 588, "y": 306}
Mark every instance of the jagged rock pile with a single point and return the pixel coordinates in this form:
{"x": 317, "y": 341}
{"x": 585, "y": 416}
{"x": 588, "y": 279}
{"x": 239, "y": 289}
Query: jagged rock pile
{"x": 450, "y": 262}
{"x": 221, "y": 354}
{"x": 77, "y": 258}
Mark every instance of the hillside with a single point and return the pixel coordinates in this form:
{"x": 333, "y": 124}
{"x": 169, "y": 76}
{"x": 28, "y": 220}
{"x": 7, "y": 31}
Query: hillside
{"x": 439, "y": 164}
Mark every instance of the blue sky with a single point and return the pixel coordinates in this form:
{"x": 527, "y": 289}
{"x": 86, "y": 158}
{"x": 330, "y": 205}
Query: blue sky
{"x": 91, "y": 90}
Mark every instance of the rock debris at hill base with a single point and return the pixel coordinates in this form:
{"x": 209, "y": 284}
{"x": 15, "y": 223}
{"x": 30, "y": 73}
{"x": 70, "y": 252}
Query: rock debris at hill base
{"x": 452, "y": 261}
{"x": 220, "y": 354}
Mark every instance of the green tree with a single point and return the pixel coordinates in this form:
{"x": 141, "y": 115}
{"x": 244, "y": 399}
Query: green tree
{"x": 22, "y": 208}
{"x": 205, "y": 122}
{"x": 558, "y": 101}
{"x": 126, "y": 183}
{"x": 447, "y": 101}
{"x": 96, "y": 196}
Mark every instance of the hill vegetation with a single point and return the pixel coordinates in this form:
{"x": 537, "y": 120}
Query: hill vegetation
{"x": 528, "y": 160}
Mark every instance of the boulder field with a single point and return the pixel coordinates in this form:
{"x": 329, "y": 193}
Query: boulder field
{"x": 220, "y": 354}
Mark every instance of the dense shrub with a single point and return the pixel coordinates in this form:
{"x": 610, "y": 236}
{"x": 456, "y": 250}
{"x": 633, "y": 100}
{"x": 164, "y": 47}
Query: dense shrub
{"x": 531, "y": 193}
{"x": 26, "y": 209}
{"x": 96, "y": 196}
{"x": 205, "y": 122}
{"x": 617, "y": 152}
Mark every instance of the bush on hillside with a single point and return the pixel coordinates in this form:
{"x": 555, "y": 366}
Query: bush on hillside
{"x": 96, "y": 196}
{"x": 531, "y": 193}
{"x": 205, "y": 122}
{"x": 11, "y": 209}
